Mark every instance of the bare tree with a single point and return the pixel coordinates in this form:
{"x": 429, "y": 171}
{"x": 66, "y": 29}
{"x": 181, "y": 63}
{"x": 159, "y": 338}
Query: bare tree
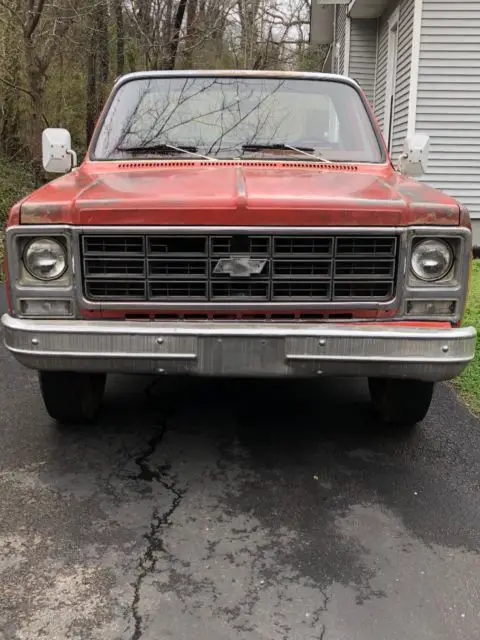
{"x": 172, "y": 45}
{"x": 55, "y": 54}
{"x": 98, "y": 64}
{"x": 120, "y": 36}
{"x": 43, "y": 30}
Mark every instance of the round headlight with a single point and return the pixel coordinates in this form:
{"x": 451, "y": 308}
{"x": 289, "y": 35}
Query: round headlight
{"x": 45, "y": 259}
{"x": 431, "y": 260}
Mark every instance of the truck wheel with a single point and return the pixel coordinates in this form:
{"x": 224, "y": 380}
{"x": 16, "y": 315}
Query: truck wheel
{"x": 401, "y": 403}
{"x": 72, "y": 398}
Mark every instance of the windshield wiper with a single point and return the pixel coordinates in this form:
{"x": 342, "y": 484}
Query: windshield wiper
{"x": 307, "y": 151}
{"x": 164, "y": 148}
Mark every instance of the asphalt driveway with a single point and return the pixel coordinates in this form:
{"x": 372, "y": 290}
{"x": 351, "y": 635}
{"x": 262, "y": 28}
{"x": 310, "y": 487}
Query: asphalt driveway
{"x": 232, "y": 509}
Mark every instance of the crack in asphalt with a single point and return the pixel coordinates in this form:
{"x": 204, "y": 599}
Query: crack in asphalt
{"x": 149, "y": 559}
{"x": 317, "y": 615}
{"x": 155, "y": 544}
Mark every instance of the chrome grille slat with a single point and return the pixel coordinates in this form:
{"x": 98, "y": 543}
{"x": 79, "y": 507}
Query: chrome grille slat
{"x": 113, "y": 245}
{"x": 301, "y": 290}
{"x": 239, "y": 290}
{"x": 177, "y": 245}
{"x": 239, "y": 245}
{"x": 177, "y": 268}
{"x": 298, "y": 268}
{"x": 115, "y": 289}
{"x": 302, "y": 268}
{"x": 364, "y": 247}
{"x": 303, "y": 245}
{"x": 115, "y": 267}
{"x": 364, "y": 269}
{"x": 177, "y": 290}
{"x": 351, "y": 290}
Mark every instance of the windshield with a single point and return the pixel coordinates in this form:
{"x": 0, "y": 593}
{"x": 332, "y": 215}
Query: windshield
{"x": 231, "y": 117}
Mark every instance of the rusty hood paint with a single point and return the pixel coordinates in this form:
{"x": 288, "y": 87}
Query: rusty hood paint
{"x": 193, "y": 193}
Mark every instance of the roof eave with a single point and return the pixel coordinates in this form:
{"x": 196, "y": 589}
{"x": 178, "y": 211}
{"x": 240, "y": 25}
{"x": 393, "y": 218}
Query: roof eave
{"x": 367, "y": 8}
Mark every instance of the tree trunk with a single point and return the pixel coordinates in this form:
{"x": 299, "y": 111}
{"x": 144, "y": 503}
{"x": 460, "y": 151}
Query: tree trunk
{"x": 144, "y": 20}
{"x": 191, "y": 33}
{"x": 11, "y": 104}
{"x": 35, "y": 79}
{"x": 120, "y": 37}
{"x": 103, "y": 59}
{"x": 98, "y": 67}
{"x": 172, "y": 48}
{"x": 249, "y": 29}
{"x": 91, "y": 88}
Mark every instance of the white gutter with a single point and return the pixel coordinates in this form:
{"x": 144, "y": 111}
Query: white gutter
{"x": 415, "y": 67}
{"x": 346, "y": 53}
{"x": 334, "y": 52}
{"x": 367, "y": 8}
{"x": 329, "y": 55}
{"x": 375, "y": 75}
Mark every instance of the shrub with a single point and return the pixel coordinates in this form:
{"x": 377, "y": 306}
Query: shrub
{"x": 16, "y": 182}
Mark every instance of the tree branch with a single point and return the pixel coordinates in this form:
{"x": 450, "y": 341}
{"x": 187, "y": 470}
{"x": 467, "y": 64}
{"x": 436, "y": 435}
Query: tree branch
{"x": 15, "y": 87}
{"x": 11, "y": 11}
{"x": 35, "y": 15}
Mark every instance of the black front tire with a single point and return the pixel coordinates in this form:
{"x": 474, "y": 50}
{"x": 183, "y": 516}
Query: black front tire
{"x": 72, "y": 398}
{"x": 401, "y": 403}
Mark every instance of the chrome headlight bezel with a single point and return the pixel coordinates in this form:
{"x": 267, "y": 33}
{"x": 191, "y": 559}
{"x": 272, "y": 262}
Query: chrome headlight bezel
{"x": 451, "y": 287}
{"x": 443, "y": 248}
{"x": 22, "y": 284}
{"x": 57, "y": 246}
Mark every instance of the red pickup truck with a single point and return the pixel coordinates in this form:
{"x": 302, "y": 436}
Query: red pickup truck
{"x": 238, "y": 223}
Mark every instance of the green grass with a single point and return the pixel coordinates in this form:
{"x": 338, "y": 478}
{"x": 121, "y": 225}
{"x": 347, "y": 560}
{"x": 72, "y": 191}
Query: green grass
{"x": 469, "y": 382}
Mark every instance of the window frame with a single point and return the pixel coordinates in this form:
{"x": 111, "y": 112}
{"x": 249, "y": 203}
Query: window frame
{"x": 136, "y": 76}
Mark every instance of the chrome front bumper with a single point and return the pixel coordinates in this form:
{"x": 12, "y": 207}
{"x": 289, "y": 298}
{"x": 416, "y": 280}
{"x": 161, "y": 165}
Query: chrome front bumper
{"x": 251, "y": 349}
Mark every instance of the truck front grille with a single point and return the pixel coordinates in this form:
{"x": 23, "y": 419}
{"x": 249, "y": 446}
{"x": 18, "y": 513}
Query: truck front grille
{"x": 180, "y": 268}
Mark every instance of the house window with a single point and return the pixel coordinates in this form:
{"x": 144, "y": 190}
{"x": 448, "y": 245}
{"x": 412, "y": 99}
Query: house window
{"x": 393, "y": 23}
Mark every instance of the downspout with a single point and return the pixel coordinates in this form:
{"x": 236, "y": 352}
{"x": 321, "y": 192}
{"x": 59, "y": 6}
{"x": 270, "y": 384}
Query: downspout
{"x": 375, "y": 75}
{"x": 326, "y": 58}
{"x": 346, "y": 57}
{"x": 334, "y": 50}
{"x": 415, "y": 66}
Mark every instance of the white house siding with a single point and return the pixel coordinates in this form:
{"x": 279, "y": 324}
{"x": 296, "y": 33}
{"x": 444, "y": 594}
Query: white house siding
{"x": 448, "y": 100}
{"x": 363, "y": 54}
{"x": 402, "y": 87}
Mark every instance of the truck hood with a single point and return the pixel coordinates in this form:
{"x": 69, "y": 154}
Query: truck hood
{"x": 300, "y": 194}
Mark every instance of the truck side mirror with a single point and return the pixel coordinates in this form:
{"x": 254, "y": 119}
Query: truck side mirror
{"x": 57, "y": 153}
{"x": 414, "y": 160}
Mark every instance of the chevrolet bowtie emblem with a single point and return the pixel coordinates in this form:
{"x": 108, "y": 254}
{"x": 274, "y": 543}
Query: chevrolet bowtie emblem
{"x": 240, "y": 266}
